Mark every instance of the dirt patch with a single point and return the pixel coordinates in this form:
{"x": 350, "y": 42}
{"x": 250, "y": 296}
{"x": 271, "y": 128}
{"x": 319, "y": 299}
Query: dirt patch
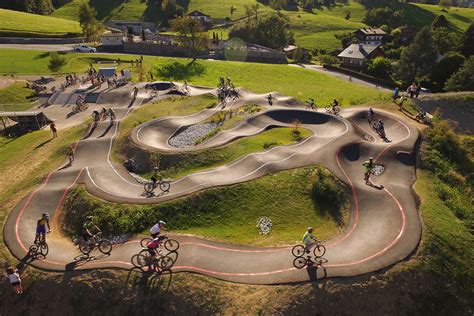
{"x": 6, "y": 82}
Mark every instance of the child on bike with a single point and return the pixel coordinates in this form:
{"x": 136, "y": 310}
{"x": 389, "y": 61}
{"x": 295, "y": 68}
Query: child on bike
{"x": 41, "y": 227}
{"x": 381, "y": 129}
{"x": 88, "y": 227}
{"x": 309, "y": 239}
{"x": 153, "y": 245}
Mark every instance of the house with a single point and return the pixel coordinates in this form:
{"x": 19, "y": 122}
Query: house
{"x": 112, "y": 39}
{"x": 132, "y": 27}
{"x": 198, "y": 15}
{"x": 370, "y": 36}
{"x": 291, "y": 49}
{"x": 408, "y": 33}
{"x": 357, "y": 55}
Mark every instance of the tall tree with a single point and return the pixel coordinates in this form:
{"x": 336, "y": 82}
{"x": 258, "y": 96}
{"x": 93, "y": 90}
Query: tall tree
{"x": 191, "y": 35}
{"x": 450, "y": 64}
{"x": 467, "y": 42}
{"x": 463, "y": 80}
{"x": 444, "y": 40}
{"x": 440, "y": 21}
{"x": 87, "y": 19}
{"x": 418, "y": 59}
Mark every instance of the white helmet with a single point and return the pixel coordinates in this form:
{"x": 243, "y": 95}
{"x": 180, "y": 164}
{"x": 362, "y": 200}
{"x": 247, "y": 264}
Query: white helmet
{"x": 162, "y": 223}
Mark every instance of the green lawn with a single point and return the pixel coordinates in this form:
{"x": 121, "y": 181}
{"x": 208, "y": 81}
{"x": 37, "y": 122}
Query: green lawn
{"x": 228, "y": 213}
{"x": 16, "y": 97}
{"x": 33, "y": 25}
{"x": 259, "y": 78}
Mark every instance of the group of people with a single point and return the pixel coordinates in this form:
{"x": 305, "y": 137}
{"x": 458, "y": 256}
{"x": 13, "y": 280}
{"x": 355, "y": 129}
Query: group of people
{"x": 226, "y": 89}
{"x": 379, "y": 126}
{"x": 103, "y": 114}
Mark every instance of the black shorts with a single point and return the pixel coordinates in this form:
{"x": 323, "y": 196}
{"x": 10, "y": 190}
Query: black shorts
{"x": 15, "y": 283}
{"x": 86, "y": 236}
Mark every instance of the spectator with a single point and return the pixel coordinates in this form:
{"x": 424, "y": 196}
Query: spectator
{"x": 52, "y": 126}
{"x": 15, "y": 280}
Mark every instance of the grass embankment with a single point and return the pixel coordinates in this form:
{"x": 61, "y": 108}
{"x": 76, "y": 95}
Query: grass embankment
{"x": 25, "y": 161}
{"x": 260, "y": 78}
{"x": 16, "y": 97}
{"x": 229, "y": 213}
{"x": 21, "y": 24}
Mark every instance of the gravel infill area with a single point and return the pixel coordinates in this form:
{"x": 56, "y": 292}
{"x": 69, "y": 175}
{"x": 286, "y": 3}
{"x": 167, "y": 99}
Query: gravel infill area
{"x": 192, "y": 134}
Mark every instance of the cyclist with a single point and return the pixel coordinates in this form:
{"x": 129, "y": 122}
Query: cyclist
{"x": 135, "y": 92}
{"x": 154, "y": 177}
{"x": 41, "y": 227}
{"x": 311, "y": 103}
{"x": 270, "y": 99}
{"x": 80, "y": 100}
{"x": 153, "y": 245}
{"x": 369, "y": 166}
{"x": 70, "y": 154}
{"x": 381, "y": 129}
{"x": 370, "y": 114}
{"x": 309, "y": 239}
{"x": 155, "y": 231}
{"x": 87, "y": 227}
{"x": 95, "y": 116}
{"x": 111, "y": 115}
{"x": 334, "y": 104}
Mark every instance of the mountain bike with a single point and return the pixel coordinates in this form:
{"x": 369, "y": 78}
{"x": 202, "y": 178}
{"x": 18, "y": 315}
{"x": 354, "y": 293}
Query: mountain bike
{"x": 168, "y": 243}
{"x": 104, "y": 245}
{"x": 145, "y": 259}
{"x": 371, "y": 120}
{"x": 299, "y": 251}
{"x": 311, "y": 106}
{"x": 80, "y": 107}
{"x": 334, "y": 110}
{"x": 163, "y": 184}
{"x": 40, "y": 247}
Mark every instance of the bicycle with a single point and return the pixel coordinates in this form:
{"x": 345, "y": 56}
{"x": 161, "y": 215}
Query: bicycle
{"x": 104, "y": 245}
{"x": 334, "y": 110}
{"x": 39, "y": 247}
{"x": 144, "y": 258}
{"x": 299, "y": 251}
{"x": 371, "y": 120}
{"x": 169, "y": 243}
{"x": 163, "y": 184}
{"x": 311, "y": 106}
{"x": 80, "y": 107}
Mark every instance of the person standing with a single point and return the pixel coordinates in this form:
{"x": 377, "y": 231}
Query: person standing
{"x": 369, "y": 166}
{"x": 396, "y": 94}
{"x": 52, "y": 126}
{"x": 70, "y": 155}
{"x": 15, "y": 280}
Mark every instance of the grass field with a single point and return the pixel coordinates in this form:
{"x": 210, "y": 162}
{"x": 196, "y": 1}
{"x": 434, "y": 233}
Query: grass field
{"x": 31, "y": 25}
{"x": 16, "y": 97}
{"x": 259, "y": 78}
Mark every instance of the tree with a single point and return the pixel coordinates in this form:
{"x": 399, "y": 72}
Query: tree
{"x": 440, "y": 21}
{"x": 444, "y": 40}
{"x": 463, "y": 79}
{"x": 191, "y": 35}
{"x": 56, "y": 62}
{"x": 380, "y": 67}
{"x": 87, "y": 19}
{"x": 450, "y": 64}
{"x": 467, "y": 42}
{"x": 169, "y": 8}
{"x": 445, "y": 4}
{"x": 383, "y": 16}
{"x": 418, "y": 59}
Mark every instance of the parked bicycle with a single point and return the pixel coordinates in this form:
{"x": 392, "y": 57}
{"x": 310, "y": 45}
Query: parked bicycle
{"x": 158, "y": 182}
{"x": 40, "y": 247}
{"x": 303, "y": 258}
{"x": 104, "y": 245}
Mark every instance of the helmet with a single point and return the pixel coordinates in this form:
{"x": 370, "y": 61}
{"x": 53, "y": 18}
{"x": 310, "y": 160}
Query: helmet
{"x": 156, "y": 168}
{"x": 310, "y": 229}
{"x": 45, "y": 215}
{"x": 380, "y": 120}
{"x": 371, "y": 158}
{"x": 162, "y": 223}
{"x": 89, "y": 218}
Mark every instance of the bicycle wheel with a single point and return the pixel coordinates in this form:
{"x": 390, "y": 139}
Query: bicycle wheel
{"x": 319, "y": 251}
{"x": 328, "y": 109}
{"x": 105, "y": 246}
{"x": 336, "y": 110}
{"x": 33, "y": 250}
{"x": 44, "y": 249}
{"x": 171, "y": 245}
{"x": 75, "y": 109}
{"x": 300, "y": 262}
{"x": 144, "y": 242}
{"x": 135, "y": 261}
{"x": 142, "y": 260}
{"x": 165, "y": 186}
{"x": 165, "y": 262}
{"x": 298, "y": 250}
{"x": 85, "y": 248}
{"x": 149, "y": 187}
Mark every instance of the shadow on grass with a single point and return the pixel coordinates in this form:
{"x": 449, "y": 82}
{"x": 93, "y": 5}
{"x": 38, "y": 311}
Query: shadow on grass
{"x": 180, "y": 71}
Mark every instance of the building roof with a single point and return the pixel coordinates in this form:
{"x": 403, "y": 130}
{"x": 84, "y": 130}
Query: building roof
{"x": 198, "y": 13}
{"x": 372, "y": 31}
{"x": 358, "y": 51}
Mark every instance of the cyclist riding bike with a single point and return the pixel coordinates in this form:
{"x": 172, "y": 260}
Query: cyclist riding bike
{"x": 41, "y": 227}
{"x": 88, "y": 227}
{"x": 309, "y": 239}
{"x": 135, "y": 92}
{"x": 155, "y": 176}
{"x": 381, "y": 129}
{"x": 270, "y": 99}
{"x": 334, "y": 104}
{"x": 155, "y": 231}
{"x": 369, "y": 166}
{"x": 311, "y": 103}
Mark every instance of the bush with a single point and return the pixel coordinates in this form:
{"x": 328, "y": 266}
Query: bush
{"x": 325, "y": 187}
{"x": 328, "y": 60}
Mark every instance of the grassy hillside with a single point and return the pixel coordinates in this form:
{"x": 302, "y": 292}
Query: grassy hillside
{"x": 13, "y": 23}
{"x": 259, "y": 78}
{"x": 16, "y": 97}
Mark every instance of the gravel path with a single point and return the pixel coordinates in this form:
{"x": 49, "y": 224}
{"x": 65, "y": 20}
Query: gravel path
{"x": 192, "y": 134}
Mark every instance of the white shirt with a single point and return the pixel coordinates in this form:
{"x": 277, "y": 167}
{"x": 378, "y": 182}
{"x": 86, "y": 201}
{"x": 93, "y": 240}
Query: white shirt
{"x": 155, "y": 229}
{"x": 15, "y": 277}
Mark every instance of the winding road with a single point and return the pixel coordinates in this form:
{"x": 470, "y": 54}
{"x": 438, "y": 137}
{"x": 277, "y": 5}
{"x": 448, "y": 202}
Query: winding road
{"x": 384, "y": 226}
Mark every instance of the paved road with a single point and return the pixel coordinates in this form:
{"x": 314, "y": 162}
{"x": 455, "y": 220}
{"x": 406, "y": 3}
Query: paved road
{"x": 41, "y": 47}
{"x": 383, "y": 229}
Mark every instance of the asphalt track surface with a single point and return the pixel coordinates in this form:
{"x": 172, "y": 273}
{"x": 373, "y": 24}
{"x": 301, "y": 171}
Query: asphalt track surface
{"x": 384, "y": 226}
